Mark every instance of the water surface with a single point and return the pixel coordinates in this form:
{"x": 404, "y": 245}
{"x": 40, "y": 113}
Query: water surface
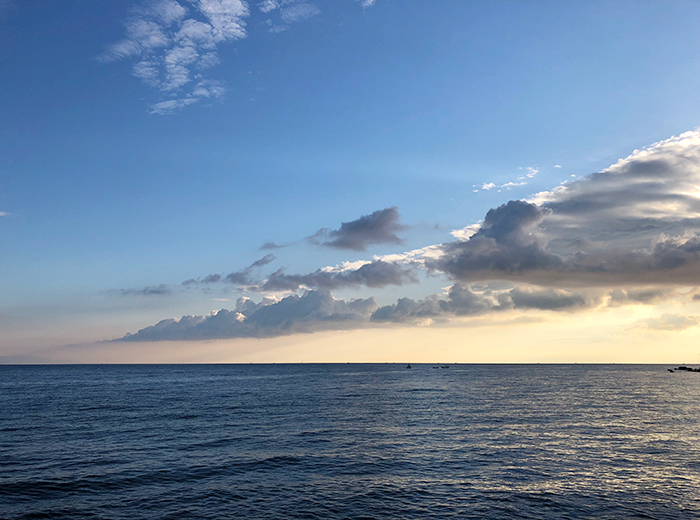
{"x": 349, "y": 442}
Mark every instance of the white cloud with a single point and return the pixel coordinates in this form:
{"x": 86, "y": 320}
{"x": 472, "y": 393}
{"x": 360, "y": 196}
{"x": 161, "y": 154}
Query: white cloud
{"x": 5, "y": 214}
{"x": 669, "y": 322}
{"x": 175, "y": 42}
{"x": 298, "y": 12}
{"x": 294, "y": 12}
{"x": 170, "y": 40}
{"x": 521, "y": 181}
{"x": 531, "y": 172}
{"x": 509, "y": 185}
{"x": 205, "y": 89}
{"x": 226, "y": 18}
{"x": 172, "y": 105}
{"x": 466, "y": 232}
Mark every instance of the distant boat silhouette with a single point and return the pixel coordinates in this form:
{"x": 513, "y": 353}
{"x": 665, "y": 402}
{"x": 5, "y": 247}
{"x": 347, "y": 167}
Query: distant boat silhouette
{"x": 408, "y": 366}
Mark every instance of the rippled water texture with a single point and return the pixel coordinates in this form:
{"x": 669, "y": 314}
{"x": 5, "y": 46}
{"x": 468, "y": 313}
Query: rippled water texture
{"x": 349, "y": 441}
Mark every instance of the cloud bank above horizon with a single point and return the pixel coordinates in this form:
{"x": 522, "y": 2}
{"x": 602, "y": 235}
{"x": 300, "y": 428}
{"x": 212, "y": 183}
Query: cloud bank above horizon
{"x": 627, "y": 235}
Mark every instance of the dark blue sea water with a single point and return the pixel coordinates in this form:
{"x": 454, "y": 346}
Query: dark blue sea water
{"x": 349, "y": 442}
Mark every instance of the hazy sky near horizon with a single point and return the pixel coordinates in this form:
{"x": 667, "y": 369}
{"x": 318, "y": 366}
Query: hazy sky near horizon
{"x": 349, "y": 180}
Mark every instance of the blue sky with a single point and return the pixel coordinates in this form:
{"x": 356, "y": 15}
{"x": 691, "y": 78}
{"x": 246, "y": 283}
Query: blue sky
{"x": 293, "y": 117}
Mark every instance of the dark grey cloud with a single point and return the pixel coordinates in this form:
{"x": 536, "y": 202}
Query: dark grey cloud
{"x": 379, "y": 227}
{"x": 154, "y": 290}
{"x": 545, "y": 299}
{"x": 240, "y": 277}
{"x": 260, "y": 262}
{"x": 506, "y": 245}
{"x": 269, "y": 246}
{"x": 314, "y": 311}
{"x": 374, "y": 274}
{"x": 318, "y": 310}
{"x": 644, "y": 295}
{"x": 462, "y": 301}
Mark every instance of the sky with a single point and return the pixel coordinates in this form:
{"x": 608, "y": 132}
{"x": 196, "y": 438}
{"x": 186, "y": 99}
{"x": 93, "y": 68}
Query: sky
{"x": 349, "y": 180}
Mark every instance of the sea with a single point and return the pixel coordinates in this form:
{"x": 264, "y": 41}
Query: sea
{"x": 349, "y": 441}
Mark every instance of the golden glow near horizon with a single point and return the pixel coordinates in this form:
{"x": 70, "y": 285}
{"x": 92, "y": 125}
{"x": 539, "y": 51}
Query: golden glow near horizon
{"x": 611, "y": 335}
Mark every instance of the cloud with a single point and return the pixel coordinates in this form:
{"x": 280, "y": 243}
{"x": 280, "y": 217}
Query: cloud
{"x": 464, "y": 301}
{"x": 628, "y": 235}
{"x": 298, "y": 12}
{"x": 241, "y": 276}
{"x": 154, "y": 290}
{"x": 530, "y": 172}
{"x": 545, "y": 299}
{"x": 175, "y": 42}
{"x": 636, "y": 222}
{"x": 460, "y": 301}
{"x": 314, "y": 311}
{"x": 267, "y": 246}
{"x": 372, "y": 274}
{"x": 379, "y": 227}
{"x": 318, "y": 310}
{"x": 290, "y": 12}
{"x": 5, "y": 214}
{"x": 670, "y": 322}
{"x": 644, "y": 295}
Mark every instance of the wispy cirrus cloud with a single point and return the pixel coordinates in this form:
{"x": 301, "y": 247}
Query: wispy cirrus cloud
{"x": 529, "y": 172}
{"x": 153, "y": 290}
{"x": 241, "y": 277}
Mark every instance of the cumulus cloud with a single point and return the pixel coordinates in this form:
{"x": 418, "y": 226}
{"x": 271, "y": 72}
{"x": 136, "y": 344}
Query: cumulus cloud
{"x": 154, "y": 290}
{"x": 318, "y": 310}
{"x": 636, "y": 222}
{"x": 379, "y": 227}
{"x": 314, "y": 311}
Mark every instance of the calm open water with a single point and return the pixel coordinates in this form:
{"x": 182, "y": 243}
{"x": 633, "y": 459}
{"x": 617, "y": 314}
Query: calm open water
{"x": 349, "y": 442}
